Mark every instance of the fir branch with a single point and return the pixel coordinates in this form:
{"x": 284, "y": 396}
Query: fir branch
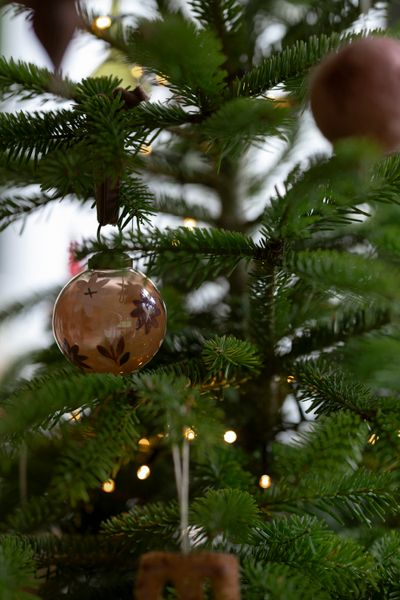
{"x": 280, "y": 582}
{"x": 26, "y": 80}
{"x": 363, "y": 496}
{"x": 222, "y": 15}
{"x": 178, "y": 207}
{"x": 17, "y": 570}
{"x": 199, "y": 82}
{"x": 17, "y": 308}
{"x": 147, "y": 525}
{"x": 100, "y": 445}
{"x": 24, "y": 135}
{"x": 344, "y": 271}
{"x": 340, "y": 566}
{"x": 322, "y": 448}
{"x": 330, "y": 390}
{"x": 43, "y": 405}
{"x": 294, "y": 61}
{"x": 228, "y": 353}
{"x": 230, "y": 513}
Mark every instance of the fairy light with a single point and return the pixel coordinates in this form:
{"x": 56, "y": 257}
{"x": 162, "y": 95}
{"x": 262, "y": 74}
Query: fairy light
{"x": 265, "y": 482}
{"x": 290, "y": 379}
{"x": 143, "y": 472}
{"x": 103, "y": 22}
{"x": 189, "y": 434}
{"x": 190, "y": 223}
{"x": 161, "y": 80}
{"x": 145, "y": 149}
{"x": 108, "y": 486}
{"x": 76, "y": 415}
{"x": 373, "y": 438}
{"x": 137, "y": 71}
{"x": 230, "y": 436}
{"x": 143, "y": 443}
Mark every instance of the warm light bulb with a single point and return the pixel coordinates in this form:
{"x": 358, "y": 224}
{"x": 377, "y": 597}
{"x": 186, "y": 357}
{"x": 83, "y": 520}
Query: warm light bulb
{"x": 143, "y": 472}
{"x": 189, "y": 434}
{"x": 230, "y": 436}
{"x": 143, "y": 443}
{"x": 108, "y": 486}
{"x": 76, "y": 415}
{"x": 137, "y": 71}
{"x": 373, "y": 438}
{"x": 190, "y": 223}
{"x": 161, "y": 80}
{"x": 265, "y": 482}
{"x": 145, "y": 149}
{"x": 290, "y": 379}
{"x": 103, "y": 22}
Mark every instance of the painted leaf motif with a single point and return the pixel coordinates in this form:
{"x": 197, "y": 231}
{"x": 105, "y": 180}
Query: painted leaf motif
{"x": 103, "y": 351}
{"x": 120, "y": 346}
{"x": 124, "y": 358}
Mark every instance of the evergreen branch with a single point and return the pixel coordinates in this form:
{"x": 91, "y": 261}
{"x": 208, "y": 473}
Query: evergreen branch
{"x": 16, "y": 308}
{"x": 223, "y": 16}
{"x": 156, "y": 115}
{"x": 17, "y": 570}
{"x": 344, "y": 271}
{"x": 198, "y": 81}
{"x": 14, "y": 208}
{"x": 294, "y": 61}
{"x": 322, "y": 448}
{"x": 107, "y": 440}
{"x": 178, "y": 207}
{"x": 24, "y": 135}
{"x": 26, "y": 80}
{"x": 240, "y": 122}
{"x": 227, "y": 352}
{"x": 386, "y": 553}
{"x": 201, "y": 252}
{"x": 146, "y": 525}
{"x": 330, "y": 390}
{"x": 279, "y": 581}
{"x": 230, "y": 513}
{"x": 362, "y": 496}
{"x": 340, "y": 566}
{"x": 44, "y": 404}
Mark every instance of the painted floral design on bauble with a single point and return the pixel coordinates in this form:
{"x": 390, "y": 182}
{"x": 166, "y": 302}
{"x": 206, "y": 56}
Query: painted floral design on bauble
{"x": 146, "y": 312}
{"x": 114, "y": 352}
{"x": 91, "y": 291}
{"x": 73, "y": 354}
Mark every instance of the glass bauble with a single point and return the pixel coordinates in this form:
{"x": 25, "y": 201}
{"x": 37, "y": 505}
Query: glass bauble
{"x": 109, "y": 320}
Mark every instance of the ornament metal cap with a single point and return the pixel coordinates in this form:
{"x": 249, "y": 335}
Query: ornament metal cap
{"x": 110, "y": 260}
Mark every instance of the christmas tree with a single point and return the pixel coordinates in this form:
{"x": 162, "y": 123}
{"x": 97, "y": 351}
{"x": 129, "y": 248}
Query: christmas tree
{"x": 267, "y": 426}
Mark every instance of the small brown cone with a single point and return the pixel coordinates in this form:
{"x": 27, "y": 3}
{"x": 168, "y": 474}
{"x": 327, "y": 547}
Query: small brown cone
{"x": 54, "y": 23}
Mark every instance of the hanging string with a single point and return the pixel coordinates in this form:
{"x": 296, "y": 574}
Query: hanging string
{"x": 181, "y": 458}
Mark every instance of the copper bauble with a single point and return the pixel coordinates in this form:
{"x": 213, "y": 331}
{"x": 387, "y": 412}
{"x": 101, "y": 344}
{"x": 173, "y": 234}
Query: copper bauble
{"x": 109, "y": 320}
{"x": 356, "y": 92}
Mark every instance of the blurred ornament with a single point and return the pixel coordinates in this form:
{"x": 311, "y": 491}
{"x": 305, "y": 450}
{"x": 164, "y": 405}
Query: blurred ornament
{"x": 54, "y": 23}
{"x": 74, "y": 266}
{"x": 188, "y": 574}
{"x": 109, "y": 318}
{"x": 356, "y": 92}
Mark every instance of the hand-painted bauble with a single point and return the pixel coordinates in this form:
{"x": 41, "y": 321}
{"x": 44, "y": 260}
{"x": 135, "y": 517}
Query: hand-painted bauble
{"x": 109, "y": 320}
{"x": 356, "y": 92}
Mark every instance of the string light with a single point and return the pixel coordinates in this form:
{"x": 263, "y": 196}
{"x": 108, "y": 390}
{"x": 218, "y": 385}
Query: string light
{"x": 189, "y": 222}
{"x": 189, "y": 434}
{"x": 103, "y": 22}
{"x": 76, "y": 415}
{"x": 145, "y": 149}
{"x": 108, "y": 486}
{"x": 143, "y": 443}
{"x": 290, "y": 379}
{"x": 230, "y": 436}
{"x": 161, "y": 80}
{"x": 265, "y": 482}
{"x": 137, "y": 71}
{"x": 373, "y": 438}
{"x": 143, "y": 472}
